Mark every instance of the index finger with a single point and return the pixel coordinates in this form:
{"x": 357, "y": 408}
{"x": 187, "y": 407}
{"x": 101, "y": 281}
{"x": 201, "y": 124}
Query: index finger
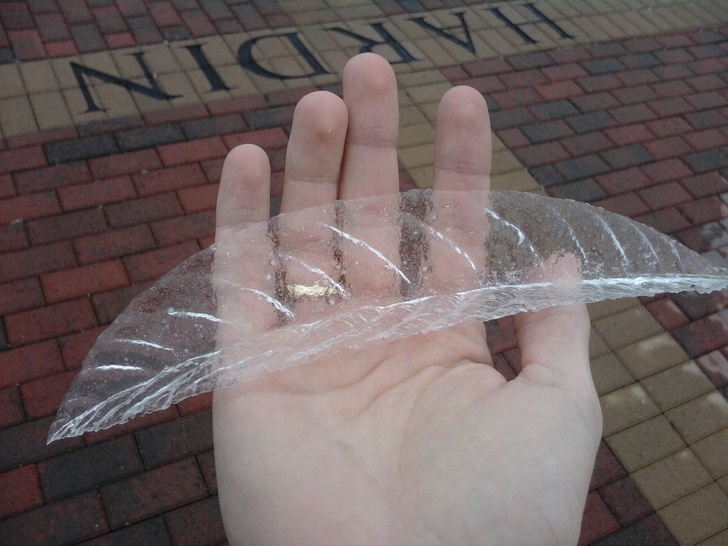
{"x": 463, "y": 141}
{"x": 462, "y": 164}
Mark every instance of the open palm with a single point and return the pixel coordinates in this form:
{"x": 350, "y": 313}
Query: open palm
{"x": 418, "y": 441}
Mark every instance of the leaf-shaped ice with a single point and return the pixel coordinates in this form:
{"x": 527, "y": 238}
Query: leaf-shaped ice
{"x": 341, "y": 277}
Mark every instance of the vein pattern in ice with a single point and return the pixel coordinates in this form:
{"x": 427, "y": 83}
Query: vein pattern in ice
{"x": 278, "y": 294}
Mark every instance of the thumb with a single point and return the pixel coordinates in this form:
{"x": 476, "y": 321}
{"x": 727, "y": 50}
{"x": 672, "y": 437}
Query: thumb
{"x": 554, "y": 342}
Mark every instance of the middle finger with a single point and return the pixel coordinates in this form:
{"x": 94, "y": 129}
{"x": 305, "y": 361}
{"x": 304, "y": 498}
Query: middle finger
{"x": 370, "y": 160}
{"x": 370, "y": 246}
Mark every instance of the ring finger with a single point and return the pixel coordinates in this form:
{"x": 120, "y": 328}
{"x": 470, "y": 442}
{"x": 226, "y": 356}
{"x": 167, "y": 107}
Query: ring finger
{"x": 313, "y": 163}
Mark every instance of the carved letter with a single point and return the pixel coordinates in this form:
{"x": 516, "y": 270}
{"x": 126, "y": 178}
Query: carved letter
{"x": 247, "y": 60}
{"x": 467, "y": 43}
{"x": 517, "y": 29}
{"x": 213, "y": 77}
{"x": 153, "y": 91}
{"x": 386, "y": 40}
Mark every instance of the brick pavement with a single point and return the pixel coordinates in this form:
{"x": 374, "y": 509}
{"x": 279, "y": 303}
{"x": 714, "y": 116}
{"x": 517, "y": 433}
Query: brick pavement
{"x": 104, "y": 186}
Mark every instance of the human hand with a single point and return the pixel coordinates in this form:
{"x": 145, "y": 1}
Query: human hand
{"x": 418, "y": 441}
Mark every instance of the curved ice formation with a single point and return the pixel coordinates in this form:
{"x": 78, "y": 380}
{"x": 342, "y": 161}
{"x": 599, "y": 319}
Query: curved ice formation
{"x": 277, "y": 294}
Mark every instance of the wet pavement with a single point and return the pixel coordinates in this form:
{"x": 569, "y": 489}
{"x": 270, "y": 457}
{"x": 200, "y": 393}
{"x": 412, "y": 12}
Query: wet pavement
{"x": 115, "y": 117}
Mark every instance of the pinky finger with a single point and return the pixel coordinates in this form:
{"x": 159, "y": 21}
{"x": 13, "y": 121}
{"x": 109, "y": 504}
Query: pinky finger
{"x": 244, "y": 194}
{"x": 242, "y": 275}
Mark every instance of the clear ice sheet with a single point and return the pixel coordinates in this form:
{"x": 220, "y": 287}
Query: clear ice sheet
{"x": 382, "y": 269}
